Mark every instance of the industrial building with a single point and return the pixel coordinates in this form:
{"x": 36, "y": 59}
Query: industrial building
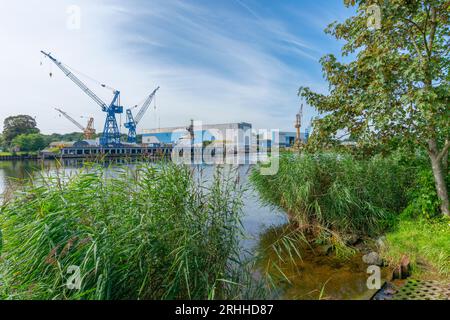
{"x": 238, "y": 134}
{"x": 230, "y": 133}
{"x": 287, "y": 139}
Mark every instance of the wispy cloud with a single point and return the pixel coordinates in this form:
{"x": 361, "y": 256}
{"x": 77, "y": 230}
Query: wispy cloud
{"x": 215, "y": 61}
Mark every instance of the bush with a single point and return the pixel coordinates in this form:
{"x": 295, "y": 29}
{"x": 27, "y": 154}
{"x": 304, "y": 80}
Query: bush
{"x": 337, "y": 192}
{"x": 149, "y": 233}
{"x": 423, "y": 199}
{"x": 29, "y": 142}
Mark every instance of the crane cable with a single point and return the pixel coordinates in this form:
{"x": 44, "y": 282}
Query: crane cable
{"x": 89, "y": 77}
{"x": 73, "y": 70}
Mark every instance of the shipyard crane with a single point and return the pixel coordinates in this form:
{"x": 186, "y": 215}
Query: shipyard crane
{"x": 298, "y": 124}
{"x": 111, "y": 133}
{"x": 132, "y": 122}
{"x": 88, "y": 131}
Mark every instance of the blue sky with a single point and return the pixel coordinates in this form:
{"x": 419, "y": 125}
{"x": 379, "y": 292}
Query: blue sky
{"x": 216, "y": 61}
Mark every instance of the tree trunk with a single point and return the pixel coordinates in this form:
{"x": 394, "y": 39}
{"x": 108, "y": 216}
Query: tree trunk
{"x": 441, "y": 186}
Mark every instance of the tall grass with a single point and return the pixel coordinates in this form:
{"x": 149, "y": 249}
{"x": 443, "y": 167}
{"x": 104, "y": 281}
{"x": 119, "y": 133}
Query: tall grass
{"x": 336, "y": 192}
{"x": 151, "y": 232}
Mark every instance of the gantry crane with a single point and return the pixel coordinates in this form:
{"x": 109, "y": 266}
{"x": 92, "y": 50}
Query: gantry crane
{"x": 132, "y": 122}
{"x": 88, "y": 131}
{"x": 111, "y": 133}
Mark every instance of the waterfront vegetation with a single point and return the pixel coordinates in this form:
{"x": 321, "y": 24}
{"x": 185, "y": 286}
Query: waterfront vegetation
{"x": 427, "y": 244}
{"x": 153, "y": 232}
{"x": 337, "y": 199}
{"x": 336, "y": 193}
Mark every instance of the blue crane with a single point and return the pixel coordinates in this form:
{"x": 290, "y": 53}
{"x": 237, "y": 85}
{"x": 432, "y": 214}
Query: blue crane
{"x": 132, "y": 122}
{"x": 111, "y": 133}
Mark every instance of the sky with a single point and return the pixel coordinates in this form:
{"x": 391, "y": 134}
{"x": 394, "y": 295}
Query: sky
{"x": 215, "y": 61}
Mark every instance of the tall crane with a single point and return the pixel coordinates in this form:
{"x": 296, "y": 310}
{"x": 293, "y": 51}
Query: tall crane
{"x": 298, "y": 124}
{"x": 132, "y": 122}
{"x": 111, "y": 133}
{"x": 88, "y": 131}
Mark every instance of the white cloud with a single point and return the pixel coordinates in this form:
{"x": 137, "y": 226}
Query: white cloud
{"x": 206, "y": 71}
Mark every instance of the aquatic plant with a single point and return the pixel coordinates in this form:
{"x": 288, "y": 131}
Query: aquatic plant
{"x": 147, "y": 232}
{"x": 335, "y": 192}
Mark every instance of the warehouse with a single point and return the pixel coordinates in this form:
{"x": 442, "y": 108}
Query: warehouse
{"x": 237, "y": 134}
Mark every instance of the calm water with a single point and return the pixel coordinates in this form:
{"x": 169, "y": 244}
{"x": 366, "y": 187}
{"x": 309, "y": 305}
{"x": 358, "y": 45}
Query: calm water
{"x": 309, "y": 277}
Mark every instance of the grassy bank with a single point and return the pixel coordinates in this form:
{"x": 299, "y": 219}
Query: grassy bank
{"x": 425, "y": 242}
{"x": 150, "y": 233}
{"x": 336, "y": 193}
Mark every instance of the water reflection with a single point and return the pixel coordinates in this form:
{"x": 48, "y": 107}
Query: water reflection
{"x": 312, "y": 273}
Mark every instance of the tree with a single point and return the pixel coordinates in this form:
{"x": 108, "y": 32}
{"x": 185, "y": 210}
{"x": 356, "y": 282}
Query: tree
{"x": 2, "y": 142}
{"x": 17, "y": 125}
{"x": 397, "y": 87}
{"x": 29, "y": 142}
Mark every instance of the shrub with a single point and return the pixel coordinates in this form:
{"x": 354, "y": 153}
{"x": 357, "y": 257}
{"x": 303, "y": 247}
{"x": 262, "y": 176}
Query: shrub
{"x": 149, "y": 233}
{"x": 423, "y": 199}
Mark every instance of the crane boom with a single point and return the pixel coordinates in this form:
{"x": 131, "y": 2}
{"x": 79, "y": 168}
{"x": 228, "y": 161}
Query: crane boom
{"x": 145, "y": 106}
{"x": 132, "y": 122}
{"x": 111, "y": 133}
{"x": 77, "y": 81}
{"x": 80, "y": 126}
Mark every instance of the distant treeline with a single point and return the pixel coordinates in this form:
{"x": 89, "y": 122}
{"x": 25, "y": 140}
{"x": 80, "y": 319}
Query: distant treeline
{"x": 20, "y": 133}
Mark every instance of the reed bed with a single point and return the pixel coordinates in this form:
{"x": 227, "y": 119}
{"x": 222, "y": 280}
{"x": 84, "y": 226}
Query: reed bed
{"x": 336, "y": 193}
{"x": 150, "y": 232}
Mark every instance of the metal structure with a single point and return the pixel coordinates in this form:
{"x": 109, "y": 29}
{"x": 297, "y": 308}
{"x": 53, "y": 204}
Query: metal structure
{"x": 190, "y": 130}
{"x": 111, "y": 133}
{"x": 298, "y": 124}
{"x": 132, "y": 122}
{"x": 88, "y": 131}
{"x": 413, "y": 289}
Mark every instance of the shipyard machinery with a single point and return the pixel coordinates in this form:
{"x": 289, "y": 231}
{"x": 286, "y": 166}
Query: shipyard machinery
{"x": 298, "y": 124}
{"x": 88, "y": 131}
{"x": 111, "y": 133}
{"x": 132, "y": 122}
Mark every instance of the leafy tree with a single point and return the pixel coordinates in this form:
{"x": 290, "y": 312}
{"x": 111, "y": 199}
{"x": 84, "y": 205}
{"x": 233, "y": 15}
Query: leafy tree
{"x": 29, "y": 142}
{"x": 17, "y": 125}
{"x": 2, "y": 142}
{"x": 397, "y": 87}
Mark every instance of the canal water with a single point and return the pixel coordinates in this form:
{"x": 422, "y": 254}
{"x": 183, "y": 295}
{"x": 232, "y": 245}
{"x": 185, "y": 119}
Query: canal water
{"x": 308, "y": 275}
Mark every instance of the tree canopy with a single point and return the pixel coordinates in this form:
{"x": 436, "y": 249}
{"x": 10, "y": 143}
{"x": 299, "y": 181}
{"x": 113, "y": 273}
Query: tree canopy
{"x": 397, "y": 87}
{"x": 30, "y": 142}
{"x": 17, "y": 125}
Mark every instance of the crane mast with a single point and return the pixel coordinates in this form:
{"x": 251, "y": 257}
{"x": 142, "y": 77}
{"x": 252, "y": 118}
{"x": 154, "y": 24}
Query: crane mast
{"x": 88, "y": 131}
{"x": 132, "y": 122}
{"x": 80, "y": 126}
{"x": 111, "y": 133}
{"x": 298, "y": 124}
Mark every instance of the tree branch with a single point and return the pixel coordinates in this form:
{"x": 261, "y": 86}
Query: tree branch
{"x": 433, "y": 30}
{"x": 444, "y": 150}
